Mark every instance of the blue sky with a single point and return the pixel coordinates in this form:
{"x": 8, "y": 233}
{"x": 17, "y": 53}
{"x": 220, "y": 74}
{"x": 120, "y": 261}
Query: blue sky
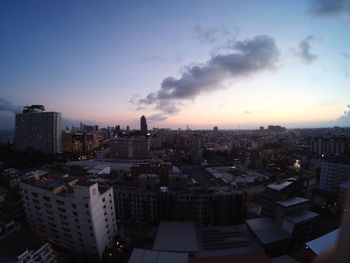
{"x": 98, "y": 60}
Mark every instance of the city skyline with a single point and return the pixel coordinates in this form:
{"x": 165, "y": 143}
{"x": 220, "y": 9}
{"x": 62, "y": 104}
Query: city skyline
{"x": 201, "y": 63}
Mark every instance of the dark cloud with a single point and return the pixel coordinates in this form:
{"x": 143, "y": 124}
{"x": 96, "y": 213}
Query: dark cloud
{"x": 327, "y": 8}
{"x": 8, "y": 106}
{"x": 243, "y": 59}
{"x": 344, "y": 120}
{"x": 303, "y": 52}
{"x": 156, "y": 117}
{"x": 212, "y": 34}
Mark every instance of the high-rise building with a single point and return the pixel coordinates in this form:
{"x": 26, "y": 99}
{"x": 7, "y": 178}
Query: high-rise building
{"x": 143, "y": 125}
{"x": 38, "y": 129}
{"x": 70, "y": 212}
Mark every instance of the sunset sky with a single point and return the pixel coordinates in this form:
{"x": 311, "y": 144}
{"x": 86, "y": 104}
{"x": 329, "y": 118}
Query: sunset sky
{"x": 202, "y": 63}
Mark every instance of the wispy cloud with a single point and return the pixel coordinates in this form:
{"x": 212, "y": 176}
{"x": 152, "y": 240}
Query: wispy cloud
{"x": 7, "y": 114}
{"x": 154, "y": 59}
{"x": 212, "y": 34}
{"x": 328, "y": 8}
{"x": 303, "y": 52}
{"x": 243, "y": 58}
{"x": 345, "y": 55}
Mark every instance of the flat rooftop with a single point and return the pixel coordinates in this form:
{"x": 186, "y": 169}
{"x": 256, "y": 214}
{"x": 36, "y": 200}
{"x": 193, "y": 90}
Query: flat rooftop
{"x": 151, "y": 256}
{"x": 266, "y": 230}
{"x": 252, "y": 257}
{"x": 292, "y": 201}
{"x": 319, "y": 244}
{"x": 279, "y": 187}
{"x": 176, "y": 236}
{"x": 302, "y": 217}
{"x": 226, "y": 240}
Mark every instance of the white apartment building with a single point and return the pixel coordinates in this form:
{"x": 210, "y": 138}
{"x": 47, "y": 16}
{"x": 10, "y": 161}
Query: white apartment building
{"x": 38, "y": 129}
{"x": 332, "y": 175}
{"x": 44, "y": 254}
{"x": 71, "y": 213}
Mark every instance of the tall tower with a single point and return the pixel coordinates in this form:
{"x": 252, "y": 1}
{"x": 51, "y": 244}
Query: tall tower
{"x": 38, "y": 129}
{"x": 143, "y": 125}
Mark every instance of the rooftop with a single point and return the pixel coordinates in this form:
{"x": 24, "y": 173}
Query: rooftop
{"x": 266, "y": 230}
{"x": 226, "y": 240}
{"x": 279, "y": 187}
{"x": 301, "y": 217}
{"x": 319, "y": 244}
{"x": 252, "y": 257}
{"x": 176, "y": 236}
{"x": 292, "y": 201}
{"x": 146, "y": 256}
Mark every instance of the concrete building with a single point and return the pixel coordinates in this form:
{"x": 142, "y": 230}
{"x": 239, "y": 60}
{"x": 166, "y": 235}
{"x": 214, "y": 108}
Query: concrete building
{"x": 327, "y": 146}
{"x": 132, "y": 148}
{"x": 332, "y": 175}
{"x": 38, "y": 129}
{"x": 143, "y": 126}
{"x": 24, "y": 247}
{"x": 80, "y": 142}
{"x": 71, "y": 213}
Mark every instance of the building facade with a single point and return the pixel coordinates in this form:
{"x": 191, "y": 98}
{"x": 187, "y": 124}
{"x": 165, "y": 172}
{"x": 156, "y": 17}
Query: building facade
{"x": 332, "y": 175}
{"x": 131, "y": 148}
{"x": 143, "y": 126}
{"x": 38, "y": 129}
{"x": 70, "y": 213}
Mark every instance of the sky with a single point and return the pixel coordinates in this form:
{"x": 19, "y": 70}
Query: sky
{"x": 232, "y": 64}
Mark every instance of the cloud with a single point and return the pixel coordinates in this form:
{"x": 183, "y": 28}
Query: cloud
{"x": 133, "y": 99}
{"x": 156, "y": 117}
{"x": 7, "y": 114}
{"x": 212, "y": 34}
{"x": 154, "y": 59}
{"x": 344, "y": 120}
{"x": 6, "y": 105}
{"x": 303, "y": 52}
{"x": 345, "y": 55}
{"x": 243, "y": 59}
{"x": 328, "y": 8}
{"x": 251, "y": 112}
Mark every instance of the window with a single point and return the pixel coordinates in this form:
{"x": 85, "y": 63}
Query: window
{"x": 46, "y": 198}
{"x": 74, "y": 206}
{"x": 59, "y": 202}
{"x": 103, "y": 199}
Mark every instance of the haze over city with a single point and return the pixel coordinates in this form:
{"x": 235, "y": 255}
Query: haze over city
{"x": 198, "y": 63}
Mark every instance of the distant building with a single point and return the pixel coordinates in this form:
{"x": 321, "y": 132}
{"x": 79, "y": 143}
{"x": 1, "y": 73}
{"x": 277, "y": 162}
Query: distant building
{"x": 327, "y": 146}
{"x": 38, "y": 129}
{"x": 276, "y": 128}
{"x": 71, "y": 213}
{"x": 143, "y": 126}
{"x": 132, "y": 148}
{"x": 332, "y": 175}
{"x": 80, "y": 142}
